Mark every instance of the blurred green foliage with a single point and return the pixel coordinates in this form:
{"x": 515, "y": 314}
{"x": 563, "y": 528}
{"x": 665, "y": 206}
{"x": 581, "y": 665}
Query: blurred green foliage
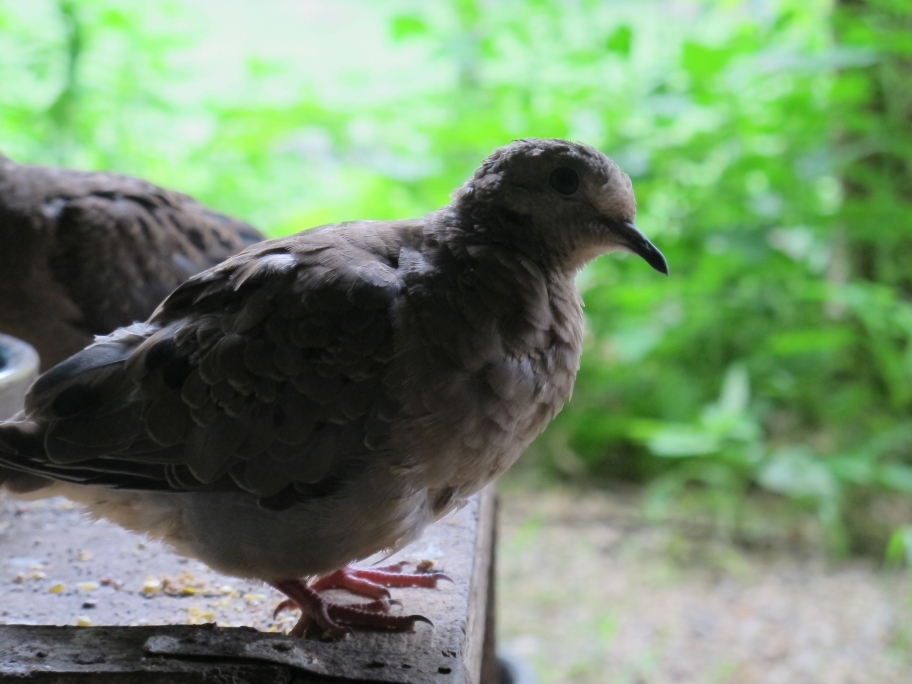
{"x": 770, "y": 144}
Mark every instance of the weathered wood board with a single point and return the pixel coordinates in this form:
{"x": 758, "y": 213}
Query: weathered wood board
{"x": 146, "y": 609}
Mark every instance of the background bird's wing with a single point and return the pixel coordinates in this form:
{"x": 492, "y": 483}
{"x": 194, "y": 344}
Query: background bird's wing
{"x": 85, "y": 253}
{"x": 265, "y": 373}
{"x": 121, "y": 250}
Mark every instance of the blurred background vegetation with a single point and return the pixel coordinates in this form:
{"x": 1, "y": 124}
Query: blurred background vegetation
{"x": 770, "y": 144}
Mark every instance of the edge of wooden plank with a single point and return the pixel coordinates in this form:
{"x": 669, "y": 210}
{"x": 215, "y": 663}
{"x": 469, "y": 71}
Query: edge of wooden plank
{"x": 480, "y": 584}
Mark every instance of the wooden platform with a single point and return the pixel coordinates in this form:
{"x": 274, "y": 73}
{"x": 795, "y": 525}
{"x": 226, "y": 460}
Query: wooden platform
{"x": 153, "y": 617}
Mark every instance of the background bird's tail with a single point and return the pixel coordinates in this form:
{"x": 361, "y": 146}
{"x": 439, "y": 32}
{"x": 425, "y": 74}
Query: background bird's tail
{"x": 17, "y": 441}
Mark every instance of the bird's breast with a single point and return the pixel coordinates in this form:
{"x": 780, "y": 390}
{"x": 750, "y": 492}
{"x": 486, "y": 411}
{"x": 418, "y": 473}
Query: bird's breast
{"x": 480, "y": 375}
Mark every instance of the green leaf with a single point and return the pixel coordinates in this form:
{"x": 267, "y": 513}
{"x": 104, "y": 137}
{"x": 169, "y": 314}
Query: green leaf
{"x": 735, "y": 389}
{"x": 703, "y": 60}
{"x": 620, "y": 41}
{"x": 682, "y": 441}
{"x": 856, "y": 468}
{"x": 809, "y": 340}
{"x": 405, "y": 26}
{"x": 899, "y": 547}
{"x": 795, "y": 471}
{"x": 897, "y": 476}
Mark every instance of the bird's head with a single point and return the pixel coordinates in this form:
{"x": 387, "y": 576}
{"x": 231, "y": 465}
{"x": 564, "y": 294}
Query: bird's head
{"x": 565, "y": 198}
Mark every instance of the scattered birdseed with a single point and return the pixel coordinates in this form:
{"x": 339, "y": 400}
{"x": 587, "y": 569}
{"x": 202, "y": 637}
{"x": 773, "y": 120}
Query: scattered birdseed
{"x": 151, "y": 585}
{"x": 199, "y": 615}
{"x": 186, "y": 584}
{"x": 32, "y": 575}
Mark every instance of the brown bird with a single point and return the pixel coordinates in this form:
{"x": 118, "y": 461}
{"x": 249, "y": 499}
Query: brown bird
{"x": 82, "y": 254}
{"x": 319, "y": 398}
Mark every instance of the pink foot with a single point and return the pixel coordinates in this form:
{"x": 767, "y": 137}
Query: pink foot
{"x": 371, "y": 582}
{"x": 335, "y": 619}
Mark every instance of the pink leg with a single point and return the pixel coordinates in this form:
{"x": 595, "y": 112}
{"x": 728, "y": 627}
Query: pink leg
{"x": 334, "y": 619}
{"x": 371, "y": 582}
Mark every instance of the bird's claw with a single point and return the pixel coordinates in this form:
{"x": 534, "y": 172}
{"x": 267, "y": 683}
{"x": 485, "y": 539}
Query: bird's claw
{"x": 352, "y": 580}
{"x": 336, "y": 620}
{"x": 356, "y": 615}
{"x": 287, "y": 604}
{"x": 423, "y": 567}
{"x": 372, "y": 582}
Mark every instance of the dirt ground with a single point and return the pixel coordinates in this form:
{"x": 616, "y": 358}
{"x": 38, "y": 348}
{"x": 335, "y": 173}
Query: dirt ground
{"x": 589, "y": 592}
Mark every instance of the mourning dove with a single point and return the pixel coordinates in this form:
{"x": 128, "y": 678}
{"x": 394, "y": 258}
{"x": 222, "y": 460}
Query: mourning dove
{"x": 82, "y": 254}
{"x": 323, "y": 397}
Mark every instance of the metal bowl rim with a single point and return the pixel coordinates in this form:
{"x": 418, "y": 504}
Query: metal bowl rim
{"x": 22, "y": 360}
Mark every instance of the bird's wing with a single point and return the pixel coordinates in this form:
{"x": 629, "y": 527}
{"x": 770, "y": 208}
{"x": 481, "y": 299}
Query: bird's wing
{"x": 84, "y": 253}
{"x": 265, "y": 373}
{"x": 122, "y": 245}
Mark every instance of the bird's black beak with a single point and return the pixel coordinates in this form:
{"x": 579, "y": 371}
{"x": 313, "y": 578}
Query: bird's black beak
{"x": 630, "y": 238}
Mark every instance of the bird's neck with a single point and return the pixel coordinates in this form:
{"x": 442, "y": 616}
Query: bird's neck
{"x": 465, "y": 224}
{"x": 515, "y": 284}
{"x": 468, "y": 228}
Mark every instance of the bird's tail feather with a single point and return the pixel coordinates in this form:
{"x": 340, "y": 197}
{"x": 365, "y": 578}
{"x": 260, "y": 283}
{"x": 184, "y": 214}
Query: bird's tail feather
{"x": 18, "y": 440}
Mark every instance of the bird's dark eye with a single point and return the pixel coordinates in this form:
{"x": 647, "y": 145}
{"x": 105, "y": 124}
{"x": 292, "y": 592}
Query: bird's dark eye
{"x": 565, "y": 180}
